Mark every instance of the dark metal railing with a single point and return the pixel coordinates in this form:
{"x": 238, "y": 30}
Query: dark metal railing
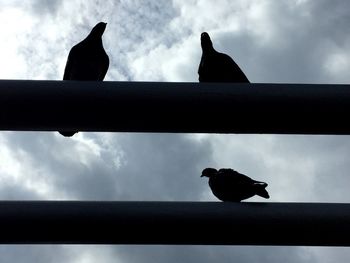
{"x": 174, "y": 107}
{"x": 194, "y": 223}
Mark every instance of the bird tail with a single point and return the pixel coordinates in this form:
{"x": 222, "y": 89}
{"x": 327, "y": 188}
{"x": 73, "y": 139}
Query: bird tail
{"x": 261, "y": 191}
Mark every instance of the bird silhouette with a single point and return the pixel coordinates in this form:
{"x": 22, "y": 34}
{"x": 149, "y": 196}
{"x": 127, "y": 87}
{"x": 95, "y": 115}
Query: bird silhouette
{"x": 218, "y": 67}
{"x": 231, "y": 186}
{"x": 87, "y": 61}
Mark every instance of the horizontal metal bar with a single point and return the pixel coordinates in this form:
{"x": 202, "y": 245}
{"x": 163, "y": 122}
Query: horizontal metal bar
{"x": 174, "y": 107}
{"x": 194, "y": 223}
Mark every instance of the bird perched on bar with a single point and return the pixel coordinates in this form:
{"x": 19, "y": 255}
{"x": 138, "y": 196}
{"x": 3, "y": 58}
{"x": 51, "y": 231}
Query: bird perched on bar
{"x": 218, "y": 67}
{"x": 231, "y": 186}
{"x": 87, "y": 61}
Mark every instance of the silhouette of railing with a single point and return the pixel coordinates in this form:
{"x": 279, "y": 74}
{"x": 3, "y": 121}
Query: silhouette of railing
{"x": 174, "y": 107}
{"x": 196, "y": 223}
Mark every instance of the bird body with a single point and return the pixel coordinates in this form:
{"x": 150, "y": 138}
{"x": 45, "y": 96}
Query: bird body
{"x": 218, "y": 67}
{"x": 87, "y": 61}
{"x": 230, "y": 185}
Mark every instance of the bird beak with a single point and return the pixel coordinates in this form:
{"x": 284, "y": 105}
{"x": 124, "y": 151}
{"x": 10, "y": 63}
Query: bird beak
{"x": 202, "y": 175}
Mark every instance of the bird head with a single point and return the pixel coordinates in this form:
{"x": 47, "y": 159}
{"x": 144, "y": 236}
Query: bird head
{"x": 208, "y": 172}
{"x": 98, "y": 30}
{"x": 206, "y": 41}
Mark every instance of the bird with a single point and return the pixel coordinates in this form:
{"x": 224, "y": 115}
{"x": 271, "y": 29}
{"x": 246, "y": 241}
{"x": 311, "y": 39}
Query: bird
{"x": 229, "y": 185}
{"x": 87, "y": 61}
{"x": 218, "y": 67}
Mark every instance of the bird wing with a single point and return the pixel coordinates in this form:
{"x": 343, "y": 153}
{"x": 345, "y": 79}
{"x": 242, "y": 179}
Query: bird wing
{"x": 202, "y": 71}
{"x": 72, "y": 61}
{"x": 235, "y": 176}
{"x": 104, "y": 67}
{"x": 231, "y": 70}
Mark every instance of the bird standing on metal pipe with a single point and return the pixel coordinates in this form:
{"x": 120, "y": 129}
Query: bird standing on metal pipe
{"x": 218, "y": 67}
{"x": 87, "y": 60}
{"x": 231, "y": 186}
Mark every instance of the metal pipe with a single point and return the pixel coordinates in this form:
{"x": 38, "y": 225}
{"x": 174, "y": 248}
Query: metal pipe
{"x": 194, "y": 223}
{"x": 174, "y": 107}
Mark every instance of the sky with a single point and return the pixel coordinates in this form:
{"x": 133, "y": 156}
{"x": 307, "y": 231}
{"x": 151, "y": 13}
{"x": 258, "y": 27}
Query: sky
{"x": 285, "y": 41}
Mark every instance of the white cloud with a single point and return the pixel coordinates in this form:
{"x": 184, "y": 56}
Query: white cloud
{"x": 15, "y": 24}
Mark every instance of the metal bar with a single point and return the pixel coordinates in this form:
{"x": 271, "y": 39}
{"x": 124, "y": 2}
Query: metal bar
{"x": 194, "y": 223}
{"x": 174, "y": 107}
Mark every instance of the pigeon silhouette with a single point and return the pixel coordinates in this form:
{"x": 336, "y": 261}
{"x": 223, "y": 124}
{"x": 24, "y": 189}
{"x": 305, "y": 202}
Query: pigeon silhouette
{"x": 87, "y": 61}
{"x": 218, "y": 67}
{"x": 231, "y": 186}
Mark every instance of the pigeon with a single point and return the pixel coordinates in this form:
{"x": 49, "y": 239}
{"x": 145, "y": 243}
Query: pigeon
{"x": 218, "y": 67}
{"x": 231, "y": 186}
{"x": 87, "y": 61}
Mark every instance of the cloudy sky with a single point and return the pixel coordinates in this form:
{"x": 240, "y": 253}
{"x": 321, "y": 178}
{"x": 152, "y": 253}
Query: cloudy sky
{"x": 283, "y": 41}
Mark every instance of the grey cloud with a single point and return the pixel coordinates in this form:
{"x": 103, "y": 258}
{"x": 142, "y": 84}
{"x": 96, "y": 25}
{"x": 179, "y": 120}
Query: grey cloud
{"x": 152, "y": 167}
{"x": 332, "y": 18}
{"x": 204, "y": 254}
{"x": 289, "y": 42}
{"x": 328, "y": 158}
{"x": 14, "y": 191}
{"x": 297, "y": 168}
{"x": 31, "y": 253}
{"x": 277, "y": 59}
{"x": 163, "y": 167}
